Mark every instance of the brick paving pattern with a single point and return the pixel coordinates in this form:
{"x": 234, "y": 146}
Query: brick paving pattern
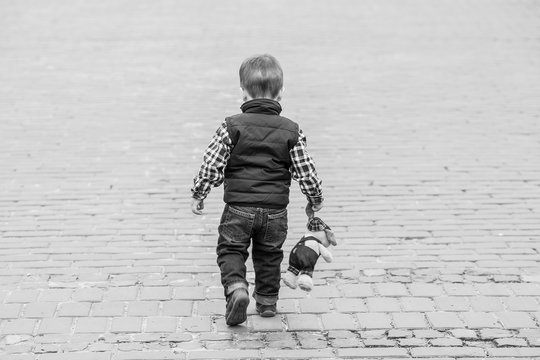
{"x": 422, "y": 117}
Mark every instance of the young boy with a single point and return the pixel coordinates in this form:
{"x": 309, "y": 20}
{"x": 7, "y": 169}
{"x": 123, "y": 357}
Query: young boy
{"x": 256, "y": 154}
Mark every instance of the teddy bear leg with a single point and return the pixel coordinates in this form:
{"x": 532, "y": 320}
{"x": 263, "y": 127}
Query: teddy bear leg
{"x": 305, "y": 282}
{"x": 290, "y": 279}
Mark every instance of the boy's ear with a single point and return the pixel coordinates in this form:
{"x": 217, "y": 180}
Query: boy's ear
{"x": 245, "y": 94}
{"x": 280, "y": 95}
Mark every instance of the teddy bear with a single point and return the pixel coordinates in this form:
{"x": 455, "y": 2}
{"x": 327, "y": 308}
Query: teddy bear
{"x": 306, "y": 252}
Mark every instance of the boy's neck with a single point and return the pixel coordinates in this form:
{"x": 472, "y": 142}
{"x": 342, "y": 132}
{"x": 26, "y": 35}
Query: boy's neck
{"x": 249, "y": 98}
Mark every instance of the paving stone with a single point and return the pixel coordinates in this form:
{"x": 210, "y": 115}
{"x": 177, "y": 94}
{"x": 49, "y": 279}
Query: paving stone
{"x": 525, "y": 289}
{"x": 10, "y": 311}
{"x": 155, "y": 293}
{"x": 297, "y": 354}
{"x": 88, "y": 294}
{"x": 196, "y": 324}
{"x": 177, "y": 308}
{"x": 490, "y": 334}
{"x": 453, "y": 303}
{"x": 285, "y": 306}
{"x": 113, "y": 308}
{"x": 428, "y": 334}
{"x": 314, "y": 305}
{"x": 142, "y": 308}
{"x": 281, "y": 340}
{"x": 514, "y": 352}
{"x": 511, "y": 342}
{"x": 40, "y": 310}
{"x": 522, "y": 303}
{"x": 126, "y": 325}
{"x": 74, "y": 309}
{"x": 346, "y": 343}
{"x": 399, "y": 333}
{"x": 123, "y": 293}
{"x": 515, "y": 320}
{"x": 18, "y": 326}
{"x": 258, "y": 323}
{"x": 373, "y": 321}
{"x": 161, "y": 324}
{"x": 413, "y": 342}
{"x": 55, "y": 326}
{"x": 460, "y": 289}
{"x": 374, "y": 272}
{"x": 349, "y": 305}
{"x": 300, "y": 322}
{"x": 357, "y": 290}
{"x": 149, "y": 355}
{"x": 17, "y": 357}
{"x": 492, "y": 289}
{"x": 409, "y": 320}
{"x": 189, "y": 293}
{"x": 464, "y": 334}
{"x": 356, "y": 353}
{"x": 379, "y": 343}
{"x": 212, "y": 307}
{"x": 250, "y": 344}
{"x": 478, "y": 320}
{"x": 417, "y": 304}
{"x": 383, "y": 304}
{"x": 373, "y": 334}
{"x": 337, "y": 321}
{"x": 76, "y": 356}
{"x": 312, "y": 341}
{"x": 223, "y": 354}
{"x": 487, "y": 303}
{"x": 391, "y": 289}
{"x": 425, "y": 290}
{"x": 56, "y": 295}
{"x": 22, "y": 296}
{"x": 446, "y": 342}
{"x": 87, "y": 325}
{"x": 444, "y": 320}
{"x": 453, "y": 351}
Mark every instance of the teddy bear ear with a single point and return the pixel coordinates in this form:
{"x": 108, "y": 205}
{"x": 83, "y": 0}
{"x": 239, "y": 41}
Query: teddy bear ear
{"x": 331, "y": 237}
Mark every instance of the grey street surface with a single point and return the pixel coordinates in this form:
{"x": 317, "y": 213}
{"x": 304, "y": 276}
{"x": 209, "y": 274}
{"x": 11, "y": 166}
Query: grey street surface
{"x": 423, "y": 118}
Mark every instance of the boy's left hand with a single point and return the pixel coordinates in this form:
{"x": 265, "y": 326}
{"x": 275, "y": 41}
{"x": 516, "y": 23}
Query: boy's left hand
{"x": 197, "y": 206}
{"x": 312, "y": 208}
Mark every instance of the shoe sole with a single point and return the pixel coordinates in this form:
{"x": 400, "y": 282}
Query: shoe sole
{"x": 238, "y": 312}
{"x": 267, "y": 314}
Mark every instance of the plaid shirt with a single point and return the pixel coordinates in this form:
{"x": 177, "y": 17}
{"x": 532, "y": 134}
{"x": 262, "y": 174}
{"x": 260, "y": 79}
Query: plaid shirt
{"x": 217, "y": 154}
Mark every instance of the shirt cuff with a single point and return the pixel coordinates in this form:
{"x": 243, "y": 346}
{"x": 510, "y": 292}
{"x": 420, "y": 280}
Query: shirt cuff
{"x": 315, "y": 200}
{"x": 197, "y": 196}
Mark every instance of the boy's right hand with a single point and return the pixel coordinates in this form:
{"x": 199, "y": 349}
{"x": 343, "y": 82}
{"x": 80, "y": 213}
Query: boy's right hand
{"x": 197, "y": 206}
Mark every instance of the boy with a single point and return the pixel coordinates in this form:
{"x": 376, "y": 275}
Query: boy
{"x": 255, "y": 153}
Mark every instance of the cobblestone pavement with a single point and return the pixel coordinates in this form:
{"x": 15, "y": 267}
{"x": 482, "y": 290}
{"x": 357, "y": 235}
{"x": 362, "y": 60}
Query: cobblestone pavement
{"x": 423, "y": 119}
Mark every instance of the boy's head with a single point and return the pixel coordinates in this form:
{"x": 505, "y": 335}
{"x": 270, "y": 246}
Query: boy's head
{"x": 261, "y": 76}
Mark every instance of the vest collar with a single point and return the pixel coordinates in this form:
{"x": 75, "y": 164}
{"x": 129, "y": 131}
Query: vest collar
{"x": 261, "y": 106}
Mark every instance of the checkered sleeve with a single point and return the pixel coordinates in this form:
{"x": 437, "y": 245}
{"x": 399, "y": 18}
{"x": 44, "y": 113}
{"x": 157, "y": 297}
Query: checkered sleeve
{"x": 216, "y": 156}
{"x": 303, "y": 171}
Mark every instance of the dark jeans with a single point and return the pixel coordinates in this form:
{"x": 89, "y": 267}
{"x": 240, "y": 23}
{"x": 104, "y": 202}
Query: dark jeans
{"x": 266, "y": 229}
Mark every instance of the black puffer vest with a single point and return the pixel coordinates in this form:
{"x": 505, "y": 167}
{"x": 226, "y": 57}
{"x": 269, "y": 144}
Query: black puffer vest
{"x": 257, "y": 173}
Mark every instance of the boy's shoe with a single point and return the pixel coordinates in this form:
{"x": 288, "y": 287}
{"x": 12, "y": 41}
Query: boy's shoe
{"x": 266, "y": 310}
{"x": 236, "y": 310}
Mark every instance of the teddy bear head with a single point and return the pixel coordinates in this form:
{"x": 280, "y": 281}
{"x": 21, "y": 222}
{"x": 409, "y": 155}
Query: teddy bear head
{"x": 319, "y": 230}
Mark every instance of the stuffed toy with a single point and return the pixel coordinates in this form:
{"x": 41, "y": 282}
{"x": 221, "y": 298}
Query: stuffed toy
{"x": 306, "y": 252}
